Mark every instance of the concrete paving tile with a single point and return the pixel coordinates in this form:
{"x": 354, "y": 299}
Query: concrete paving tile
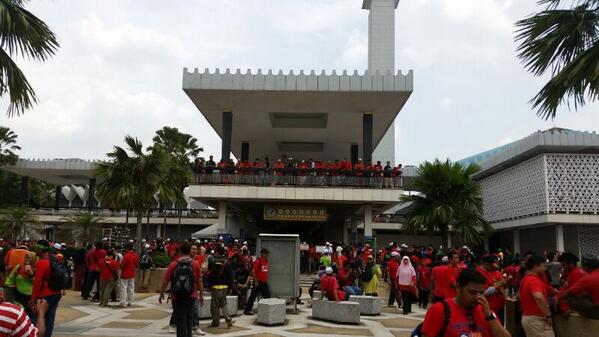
{"x": 125, "y": 325}
{"x": 223, "y": 329}
{"x": 400, "y": 323}
{"x": 319, "y": 329}
{"x": 67, "y": 314}
{"x": 398, "y": 333}
{"x": 146, "y": 314}
{"x": 265, "y": 334}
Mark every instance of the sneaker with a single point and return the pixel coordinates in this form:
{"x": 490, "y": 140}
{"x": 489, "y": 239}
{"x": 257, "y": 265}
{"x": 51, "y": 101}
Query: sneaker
{"x": 198, "y": 332}
{"x": 172, "y": 329}
{"x": 229, "y": 322}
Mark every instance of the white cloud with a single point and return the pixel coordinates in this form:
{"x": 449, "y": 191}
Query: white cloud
{"x": 355, "y": 53}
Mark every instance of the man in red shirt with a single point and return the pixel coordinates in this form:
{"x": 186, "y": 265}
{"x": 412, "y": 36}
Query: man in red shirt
{"x": 495, "y": 292}
{"x": 536, "y": 316}
{"x": 469, "y": 312}
{"x": 92, "y": 257}
{"x": 127, "y": 281}
{"x": 108, "y": 276}
{"x": 444, "y": 278}
{"x": 424, "y": 282}
{"x": 330, "y": 287}
{"x": 183, "y": 304}
{"x": 41, "y": 289}
{"x": 571, "y": 274}
{"x": 392, "y": 267}
{"x": 260, "y": 277}
{"x": 584, "y": 295}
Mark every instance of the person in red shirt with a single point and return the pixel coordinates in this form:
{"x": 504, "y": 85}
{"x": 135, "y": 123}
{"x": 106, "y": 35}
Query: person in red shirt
{"x": 93, "y": 271}
{"x": 330, "y": 287}
{"x": 424, "y": 282}
{"x": 392, "y": 267}
{"x": 41, "y": 290}
{"x": 536, "y": 316}
{"x": 512, "y": 272}
{"x": 260, "y": 277}
{"x": 108, "y": 276}
{"x": 127, "y": 282}
{"x": 584, "y": 295}
{"x": 495, "y": 292}
{"x": 444, "y": 278}
{"x": 470, "y": 313}
{"x": 571, "y": 274}
{"x": 183, "y": 304}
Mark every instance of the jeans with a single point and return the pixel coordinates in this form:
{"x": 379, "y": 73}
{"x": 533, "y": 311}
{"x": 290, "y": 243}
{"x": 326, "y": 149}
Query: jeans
{"x": 195, "y": 314}
{"x": 126, "y": 291}
{"x": 50, "y": 314}
{"x": 182, "y": 314}
{"x": 261, "y": 288}
{"x": 353, "y": 290}
{"x": 92, "y": 277}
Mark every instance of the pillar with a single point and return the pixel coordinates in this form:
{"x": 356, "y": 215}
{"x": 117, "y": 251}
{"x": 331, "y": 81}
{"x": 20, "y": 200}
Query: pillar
{"x": 227, "y": 134}
{"x": 516, "y": 241}
{"x": 449, "y": 245}
{"x": 345, "y": 235}
{"x": 367, "y": 222}
{"x": 58, "y": 193}
{"x": 354, "y": 154}
{"x": 245, "y": 151}
{"x": 159, "y": 230}
{"x": 222, "y": 217}
{"x": 559, "y": 238}
{"x": 24, "y": 195}
{"x": 91, "y": 201}
{"x": 367, "y": 137}
{"x": 354, "y": 229}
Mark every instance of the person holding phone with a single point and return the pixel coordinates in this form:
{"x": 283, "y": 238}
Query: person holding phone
{"x": 469, "y": 312}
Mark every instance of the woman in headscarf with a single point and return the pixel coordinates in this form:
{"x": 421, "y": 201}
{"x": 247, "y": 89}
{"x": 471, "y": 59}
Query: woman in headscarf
{"x": 406, "y": 278}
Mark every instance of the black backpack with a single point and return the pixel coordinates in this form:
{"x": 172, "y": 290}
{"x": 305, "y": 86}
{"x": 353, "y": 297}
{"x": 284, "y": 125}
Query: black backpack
{"x": 367, "y": 275}
{"x": 446, "y": 316}
{"x": 59, "y": 277}
{"x": 183, "y": 279}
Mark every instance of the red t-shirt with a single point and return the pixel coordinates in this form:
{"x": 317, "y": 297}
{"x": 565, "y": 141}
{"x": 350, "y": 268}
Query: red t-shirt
{"x": 128, "y": 265}
{"x": 341, "y": 261}
{"x": 328, "y": 284}
{"x": 40, "y": 280}
{"x": 108, "y": 266}
{"x": 531, "y": 283}
{"x": 197, "y": 274}
{"x": 392, "y": 267}
{"x": 571, "y": 279}
{"x": 445, "y": 278}
{"x": 261, "y": 269}
{"x": 92, "y": 265}
{"x": 497, "y": 300}
{"x": 588, "y": 284}
{"x": 342, "y": 274}
{"x": 513, "y": 271}
{"x": 459, "y": 324}
{"x": 425, "y": 277}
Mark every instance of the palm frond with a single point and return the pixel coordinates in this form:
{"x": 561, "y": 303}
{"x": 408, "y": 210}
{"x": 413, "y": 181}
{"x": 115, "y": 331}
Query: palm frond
{"x": 14, "y": 82}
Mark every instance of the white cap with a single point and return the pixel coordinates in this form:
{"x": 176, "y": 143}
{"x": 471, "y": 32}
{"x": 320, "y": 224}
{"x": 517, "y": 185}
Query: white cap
{"x": 57, "y": 246}
{"x": 220, "y": 237}
{"x": 328, "y": 243}
{"x": 143, "y": 240}
{"x": 147, "y": 246}
{"x": 328, "y": 270}
{"x": 403, "y": 245}
{"x": 236, "y": 240}
{"x": 105, "y": 239}
{"x": 245, "y": 242}
{"x": 394, "y": 253}
{"x": 444, "y": 259}
{"x": 339, "y": 248}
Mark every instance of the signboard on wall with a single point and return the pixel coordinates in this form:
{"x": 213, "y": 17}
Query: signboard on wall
{"x": 295, "y": 213}
{"x": 283, "y": 263}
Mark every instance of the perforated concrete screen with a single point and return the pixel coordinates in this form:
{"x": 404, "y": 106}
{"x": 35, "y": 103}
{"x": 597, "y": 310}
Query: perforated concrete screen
{"x": 283, "y": 263}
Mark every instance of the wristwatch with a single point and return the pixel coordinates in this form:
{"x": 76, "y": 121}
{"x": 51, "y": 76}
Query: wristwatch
{"x": 491, "y": 317}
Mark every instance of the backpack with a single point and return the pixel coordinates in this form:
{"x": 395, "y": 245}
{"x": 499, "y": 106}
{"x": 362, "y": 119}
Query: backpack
{"x": 446, "y": 316}
{"x": 59, "y": 277}
{"x": 183, "y": 279}
{"x": 146, "y": 262}
{"x": 367, "y": 275}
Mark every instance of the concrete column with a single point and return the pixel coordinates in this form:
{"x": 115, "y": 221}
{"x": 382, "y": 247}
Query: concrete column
{"x": 354, "y": 154}
{"x": 354, "y": 229}
{"x": 449, "y": 245}
{"x": 58, "y": 192}
{"x": 227, "y": 134}
{"x": 345, "y": 235}
{"x": 367, "y": 137}
{"x": 516, "y": 241}
{"x": 222, "y": 217}
{"x": 367, "y": 222}
{"x": 559, "y": 238}
{"x": 24, "y": 197}
{"x": 158, "y": 230}
{"x": 245, "y": 151}
{"x": 91, "y": 201}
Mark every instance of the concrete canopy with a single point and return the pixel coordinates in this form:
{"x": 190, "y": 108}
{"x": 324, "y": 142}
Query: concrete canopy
{"x": 301, "y": 116}
{"x": 56, "y": 171}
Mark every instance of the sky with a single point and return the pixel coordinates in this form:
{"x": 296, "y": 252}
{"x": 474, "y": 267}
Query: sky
{"x": 119, "y": 70}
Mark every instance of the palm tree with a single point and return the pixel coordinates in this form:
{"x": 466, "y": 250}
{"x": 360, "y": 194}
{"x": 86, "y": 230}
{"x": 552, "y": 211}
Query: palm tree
{"x": 132, "y": 177}
{"x": 447, "y": 196}
{"x": 177, "y": 143}
{"x": 22, "y": 34}
{"x": 18, "y": 222}
{"x": 8, "y": 141}
{"x": 83, "y": 226}
{"x": 565, "y": 41}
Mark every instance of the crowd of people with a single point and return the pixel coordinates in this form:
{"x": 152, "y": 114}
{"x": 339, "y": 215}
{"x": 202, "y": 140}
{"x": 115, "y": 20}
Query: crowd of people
{"x": 468, "y": 289}
{"x": 299, "y": 172}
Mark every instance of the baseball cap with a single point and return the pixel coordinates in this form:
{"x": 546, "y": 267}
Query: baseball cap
{"x": 444, "y": 259}
{"x": 328, "y": 270}
{"x": 394, "y": 253}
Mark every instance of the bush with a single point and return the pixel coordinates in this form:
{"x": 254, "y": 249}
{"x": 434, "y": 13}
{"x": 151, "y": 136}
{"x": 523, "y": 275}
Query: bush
{"x": 161, "y": 259}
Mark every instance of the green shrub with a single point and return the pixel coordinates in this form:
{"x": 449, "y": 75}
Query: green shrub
{"x": 161, "y": 259}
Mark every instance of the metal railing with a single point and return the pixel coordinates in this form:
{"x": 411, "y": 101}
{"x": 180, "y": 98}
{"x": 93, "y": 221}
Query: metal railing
{"x": 154, "y": 212}
{"x": 278, "y": 178}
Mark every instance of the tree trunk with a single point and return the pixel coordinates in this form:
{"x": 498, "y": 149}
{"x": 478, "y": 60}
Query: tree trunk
{"x": 444, "y": 232}
{"x": 179, "y": 226}
{"x": 140, "y": 214}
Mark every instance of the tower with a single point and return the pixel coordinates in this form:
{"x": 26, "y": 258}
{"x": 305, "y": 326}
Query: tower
{"x": 381, "y": 58}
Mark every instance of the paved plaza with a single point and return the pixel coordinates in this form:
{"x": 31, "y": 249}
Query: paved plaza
{"x": 76, "y": 317}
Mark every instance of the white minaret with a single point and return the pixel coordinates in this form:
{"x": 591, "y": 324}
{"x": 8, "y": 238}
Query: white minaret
{"x": 381, "y": 58}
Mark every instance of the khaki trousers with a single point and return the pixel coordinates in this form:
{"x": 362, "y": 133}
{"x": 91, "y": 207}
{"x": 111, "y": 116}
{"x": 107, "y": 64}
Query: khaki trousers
{"x": 218, "y": 302}
{"x": 536, "y": 326}
{"x": 106, "y": 287}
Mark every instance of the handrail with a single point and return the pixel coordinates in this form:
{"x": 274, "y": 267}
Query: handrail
{"x": 154, "y": 212}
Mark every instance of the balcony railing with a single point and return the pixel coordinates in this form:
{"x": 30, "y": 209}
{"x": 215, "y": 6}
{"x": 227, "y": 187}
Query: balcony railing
{"x": 154, "y": 213}
{"x": 306, "y": 178}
